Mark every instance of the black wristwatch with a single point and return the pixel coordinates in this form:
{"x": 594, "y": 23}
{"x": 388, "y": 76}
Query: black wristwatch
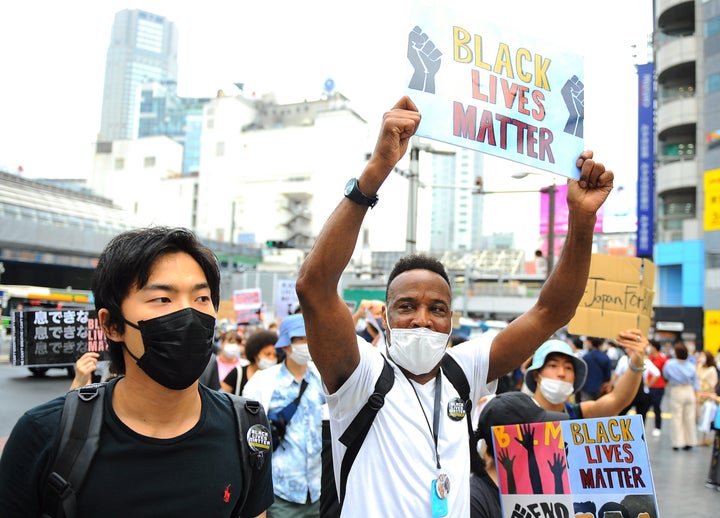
{"x": 353, "y": 192}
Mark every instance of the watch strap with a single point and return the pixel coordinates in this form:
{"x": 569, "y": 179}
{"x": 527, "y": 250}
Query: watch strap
{"x": 354, "y": 194}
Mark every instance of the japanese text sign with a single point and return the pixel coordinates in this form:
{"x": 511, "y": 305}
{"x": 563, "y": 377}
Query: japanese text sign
{"x": 247, "y": 305}
{"x": 55, "y": 336}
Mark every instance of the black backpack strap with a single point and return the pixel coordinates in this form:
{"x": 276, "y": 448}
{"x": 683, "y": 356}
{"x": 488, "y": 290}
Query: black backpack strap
{"x": 255, "y": 444}
{"x": 454, "y": 373}
{"x": 355, "y": 434}
{"x": 79, "y": 435}
{"x": 329, "y": 501}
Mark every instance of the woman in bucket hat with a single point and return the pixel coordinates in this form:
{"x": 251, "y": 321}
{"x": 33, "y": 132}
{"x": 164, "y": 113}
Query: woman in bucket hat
{"x": 556, "y": 373}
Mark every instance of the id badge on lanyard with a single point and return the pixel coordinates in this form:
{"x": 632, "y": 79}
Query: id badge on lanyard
{"x": 439, "y": 489}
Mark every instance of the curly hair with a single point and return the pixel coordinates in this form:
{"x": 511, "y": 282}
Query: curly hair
{"x": 257, "y": 341}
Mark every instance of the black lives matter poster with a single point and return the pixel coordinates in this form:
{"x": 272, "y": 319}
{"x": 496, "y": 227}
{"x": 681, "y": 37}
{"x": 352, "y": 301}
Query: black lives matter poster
{"x": 55, "y": 336}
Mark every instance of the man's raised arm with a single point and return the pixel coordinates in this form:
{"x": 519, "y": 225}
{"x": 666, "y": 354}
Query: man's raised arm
{"x": 565, "y": 286}
{"x": 328, "y": 322}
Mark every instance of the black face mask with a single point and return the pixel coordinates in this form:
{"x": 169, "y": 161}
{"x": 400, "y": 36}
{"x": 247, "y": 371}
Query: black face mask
{"x": 177, "y": 347}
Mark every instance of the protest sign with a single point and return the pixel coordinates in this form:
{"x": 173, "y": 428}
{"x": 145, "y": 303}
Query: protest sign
{"x": 578, "y": 468}
{"x": 286, "y": 300}
{"x": 247, "y": 305}
{"x": 55, "y": 336}
{"x": 486, "y": 87}
{"x": 619, "y": 295}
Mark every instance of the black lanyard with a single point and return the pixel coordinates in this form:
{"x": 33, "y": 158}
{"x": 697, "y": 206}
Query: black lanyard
{"x": 436, "y": 413}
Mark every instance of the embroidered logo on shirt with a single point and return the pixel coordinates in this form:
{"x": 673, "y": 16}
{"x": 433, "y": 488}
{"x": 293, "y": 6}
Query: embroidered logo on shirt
{"x": 226, "y": 494}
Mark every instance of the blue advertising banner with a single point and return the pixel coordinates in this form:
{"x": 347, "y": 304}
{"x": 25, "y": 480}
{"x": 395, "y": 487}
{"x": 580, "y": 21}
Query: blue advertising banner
{"x": 583, "y": 467}
{"x": 646, "y": 153}
{"x": 491, "y": 89}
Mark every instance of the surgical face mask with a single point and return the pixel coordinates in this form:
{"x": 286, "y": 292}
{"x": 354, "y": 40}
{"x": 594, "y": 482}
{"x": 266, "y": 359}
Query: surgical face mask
{"x": 231, "y": 350}
{"x": 417, "y": 350}
{"x": 300, "y": 353}
{"x": 265, "y": 363}
{"x": 555, "y": 391}
{"x": 177, "y": 347}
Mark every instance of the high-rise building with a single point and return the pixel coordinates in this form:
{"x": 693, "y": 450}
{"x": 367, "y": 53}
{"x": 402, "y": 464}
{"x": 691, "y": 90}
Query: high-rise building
{"x": 456, "y": 222}
{"x": 163, "y": 112}
{"x": 143, "y": 48}
{"x": 687, "y": 174}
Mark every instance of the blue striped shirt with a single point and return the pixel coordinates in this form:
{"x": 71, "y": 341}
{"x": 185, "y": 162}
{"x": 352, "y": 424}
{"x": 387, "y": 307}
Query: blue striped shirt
{"x": 680, "y": 372}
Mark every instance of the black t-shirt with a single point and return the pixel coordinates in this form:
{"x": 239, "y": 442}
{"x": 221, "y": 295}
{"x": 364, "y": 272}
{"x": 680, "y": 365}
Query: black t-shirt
{"x": 195, "y": 474}
{"x": 484, "y": 497}
{"x": 232, "y": 379}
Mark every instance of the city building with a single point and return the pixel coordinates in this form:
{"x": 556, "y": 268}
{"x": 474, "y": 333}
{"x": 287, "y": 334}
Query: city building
{"x": 687, "y": 158}
{"x": 163, "y": 112}
{"x": 143, "y": 47}
{"x": 457, "y": 213}
{"x": 51, "y": 234}
{"x": 142, "y": 176}
{"x": 276, "y": 171}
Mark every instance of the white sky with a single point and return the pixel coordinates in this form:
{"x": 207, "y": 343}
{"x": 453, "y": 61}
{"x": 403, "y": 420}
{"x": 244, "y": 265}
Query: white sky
{"x": 52, "y": 60}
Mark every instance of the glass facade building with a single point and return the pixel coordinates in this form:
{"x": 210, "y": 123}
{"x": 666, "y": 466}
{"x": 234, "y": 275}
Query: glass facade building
{"x": 143, "y": 48}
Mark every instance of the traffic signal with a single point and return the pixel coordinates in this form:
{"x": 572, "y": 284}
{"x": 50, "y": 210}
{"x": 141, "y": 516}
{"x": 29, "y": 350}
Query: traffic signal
{"x": 272, "y": 243}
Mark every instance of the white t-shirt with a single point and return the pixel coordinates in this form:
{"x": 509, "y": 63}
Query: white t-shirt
{"x": 650, "y": 369}
{"x": 396, "y": 465}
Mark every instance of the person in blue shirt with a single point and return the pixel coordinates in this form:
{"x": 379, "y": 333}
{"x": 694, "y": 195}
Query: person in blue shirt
{"x": 682, "y": 384}
{"x": 599, "y": 370}
{"x": 296, "y": 463}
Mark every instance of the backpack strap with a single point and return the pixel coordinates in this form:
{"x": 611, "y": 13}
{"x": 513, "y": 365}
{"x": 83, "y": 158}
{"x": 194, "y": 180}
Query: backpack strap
{"x": 355, "y": 434}
{"x": 79, "y": 435}
{"x": 289, "y": 410}
{"x": 255, "y": 445}
{"x": 454, "y": 373}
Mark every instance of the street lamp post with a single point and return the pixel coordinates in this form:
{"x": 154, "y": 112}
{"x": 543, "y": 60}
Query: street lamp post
{"x": 550, "y": 191}
{"x": 413, "y": 186}
{"x": 413, "y": 176}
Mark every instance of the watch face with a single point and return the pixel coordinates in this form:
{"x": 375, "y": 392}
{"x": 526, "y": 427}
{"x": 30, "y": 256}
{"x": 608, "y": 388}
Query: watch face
{"x": 349, "y": 186}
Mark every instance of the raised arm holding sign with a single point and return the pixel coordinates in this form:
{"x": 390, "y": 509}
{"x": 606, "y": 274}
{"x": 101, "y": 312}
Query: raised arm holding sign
{"x": 418, "y": 319}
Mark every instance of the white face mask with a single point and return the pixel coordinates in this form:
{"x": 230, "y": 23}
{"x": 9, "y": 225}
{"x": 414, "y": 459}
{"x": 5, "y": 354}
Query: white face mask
{"x": 555, "y": 391}
{"x": 300, "y": 353}
{"x": 231, "y": 350}
{"x": 265, "y": 363}
{"x": 417, "y": 350}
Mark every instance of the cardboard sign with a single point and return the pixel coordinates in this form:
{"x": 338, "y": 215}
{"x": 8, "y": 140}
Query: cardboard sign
{"x": 619, "y": 295}
{"x": 226, "y": 311}
{"x": 577, "y": 468}
{"x": 55, "y": 336}
{"x": 492, "y": 89}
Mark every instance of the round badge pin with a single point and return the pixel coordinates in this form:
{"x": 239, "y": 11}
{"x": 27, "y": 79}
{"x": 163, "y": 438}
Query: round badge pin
{"x": 456, "y": 409}
{"x": 259, "y": 438}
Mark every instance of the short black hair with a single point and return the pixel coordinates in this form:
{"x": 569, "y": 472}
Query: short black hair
{"x": 417, "y": 262}
{"x": 596, "y": 341}
{"x": 257, "y": 341}
{"x": 126, "y": 262}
